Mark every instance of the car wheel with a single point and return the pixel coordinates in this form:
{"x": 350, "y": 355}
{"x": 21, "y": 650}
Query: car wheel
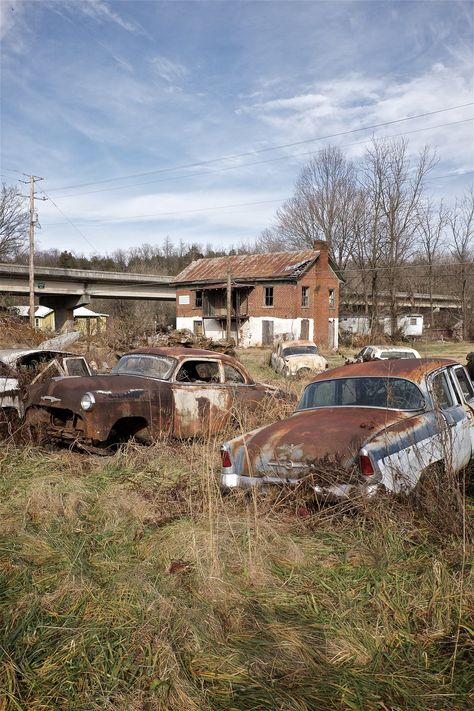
{"x": 35, "y": 427}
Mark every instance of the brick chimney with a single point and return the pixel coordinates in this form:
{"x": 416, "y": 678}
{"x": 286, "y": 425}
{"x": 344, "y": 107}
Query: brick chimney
{"x": 322, "y": 247}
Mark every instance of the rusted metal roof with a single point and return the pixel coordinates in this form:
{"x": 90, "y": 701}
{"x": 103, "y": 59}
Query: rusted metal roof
{"x": 412, "y": 368}
{"x": 181, "y": 352}
{"x": 273, "y": 265}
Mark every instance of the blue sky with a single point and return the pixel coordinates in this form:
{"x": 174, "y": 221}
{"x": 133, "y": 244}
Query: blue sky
{"x": 108, "y": 101}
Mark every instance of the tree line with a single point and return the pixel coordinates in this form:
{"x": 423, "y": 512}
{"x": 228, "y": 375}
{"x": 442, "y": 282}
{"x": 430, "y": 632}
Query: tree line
{"x": 386, "y": 234}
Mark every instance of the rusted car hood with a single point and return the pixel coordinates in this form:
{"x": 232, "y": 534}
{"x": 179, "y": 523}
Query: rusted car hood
{"x": 346, "y": 430}
{"x": 69, "y": 390}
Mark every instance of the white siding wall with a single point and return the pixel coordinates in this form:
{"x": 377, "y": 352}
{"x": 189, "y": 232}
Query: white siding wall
{"x": 251, "y": 329}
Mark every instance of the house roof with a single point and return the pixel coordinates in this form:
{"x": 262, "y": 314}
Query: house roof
{"x": 40, "y": 312}
{"x": 84, "y": 312}
{"x": 273, "y": 265}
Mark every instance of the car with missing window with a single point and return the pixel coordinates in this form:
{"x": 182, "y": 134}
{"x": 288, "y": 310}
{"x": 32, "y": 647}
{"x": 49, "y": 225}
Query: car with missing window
{"x": 362, "y": 428}
{"x": 21, "y": 367}
{"x": 297, "y": 358}
{"x": 368, "y": 353}
{"x": 184, "y": 392}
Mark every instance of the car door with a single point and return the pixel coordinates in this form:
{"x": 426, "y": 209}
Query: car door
{"x": 202, "y": 402}
{"x": 9, "y": 389}
{"x": 454, "y": 421}
{"x": 465, "y": 388}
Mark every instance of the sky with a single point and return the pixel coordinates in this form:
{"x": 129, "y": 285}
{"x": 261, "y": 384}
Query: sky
{"x": 192, "y": 120}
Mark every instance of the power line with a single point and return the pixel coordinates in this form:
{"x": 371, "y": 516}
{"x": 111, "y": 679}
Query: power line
{"x": 265, "y": 150}
{"x": 69, "y": 221}
{"x": 179, "y": 212}
{"x": 144, "y": 216}
{"x": 247, "y": 165}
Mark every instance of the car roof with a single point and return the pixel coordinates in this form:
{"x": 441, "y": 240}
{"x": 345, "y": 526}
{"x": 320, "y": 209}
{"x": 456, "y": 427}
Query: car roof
{"x": 11, "y": 355}
{"x": 181, "y": 352}
{"x": 413, "y": 369}
{"x": 393, "y": 348}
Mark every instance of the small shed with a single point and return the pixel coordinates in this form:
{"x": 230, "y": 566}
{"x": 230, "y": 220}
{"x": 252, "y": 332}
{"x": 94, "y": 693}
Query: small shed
{"x": 44, "y": 316}
{"x": 89, "y": 322}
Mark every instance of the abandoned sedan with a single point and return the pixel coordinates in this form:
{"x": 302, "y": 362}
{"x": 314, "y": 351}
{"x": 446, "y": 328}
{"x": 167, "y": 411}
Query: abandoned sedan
{"x": 361, "y": 428}
{"x": 183, "y": 392}
{"x": 297, "y": 358}
{"x": 25, "y": 366}
{"x": 369, "y": 353}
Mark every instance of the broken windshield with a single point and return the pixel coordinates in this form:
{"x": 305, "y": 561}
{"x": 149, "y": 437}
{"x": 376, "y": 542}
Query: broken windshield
{"x": 393, "y": 393}
{"x": 149, "y": 366}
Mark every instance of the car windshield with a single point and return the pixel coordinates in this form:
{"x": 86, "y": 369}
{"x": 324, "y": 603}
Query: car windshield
{"x": 300, "y": 350}
{"x": 393, "y": 393}
{"x": 150, "y": 366}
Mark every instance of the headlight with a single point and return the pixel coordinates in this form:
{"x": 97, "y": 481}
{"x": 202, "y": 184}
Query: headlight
{"x": 87, "y": 401}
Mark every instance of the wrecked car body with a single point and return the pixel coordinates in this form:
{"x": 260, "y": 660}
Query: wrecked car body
{"x": 362, "y": 428}
{"x": 183, "y": 392}
{"x": 368, "y": 353}
{"x": 297, "y": 358}
{"x": 21, "y": 367}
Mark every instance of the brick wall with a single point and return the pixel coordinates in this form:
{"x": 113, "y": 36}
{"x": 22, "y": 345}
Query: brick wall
{"x": 287, "y": 298}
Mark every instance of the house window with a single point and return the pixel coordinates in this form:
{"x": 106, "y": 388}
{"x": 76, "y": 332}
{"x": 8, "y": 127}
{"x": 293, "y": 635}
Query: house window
{"x": 268, "y": 301}
{"x": 198, "y": 299}
{"x": 305, "y": 296}
{"x": 332, "y": 299}
{"x": 413, "y": 321}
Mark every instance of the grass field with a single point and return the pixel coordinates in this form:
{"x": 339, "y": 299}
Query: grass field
{"x": 128, "y": 583}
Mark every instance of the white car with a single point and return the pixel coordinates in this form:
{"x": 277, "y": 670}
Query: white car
{"x": 369, "y": 353}
{"x": 363, "y": 428}
{"x": 297, "y": 358}
{"x": 32, "y": 365}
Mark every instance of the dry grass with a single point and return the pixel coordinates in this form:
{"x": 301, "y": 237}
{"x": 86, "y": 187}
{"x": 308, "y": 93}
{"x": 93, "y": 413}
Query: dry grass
{"x": 129, "y": 583}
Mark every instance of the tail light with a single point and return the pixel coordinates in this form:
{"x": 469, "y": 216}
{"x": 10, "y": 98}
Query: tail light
{"x": 365, "y": 464}
{"x": 225, "y": 458}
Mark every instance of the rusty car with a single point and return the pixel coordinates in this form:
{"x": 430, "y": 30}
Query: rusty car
{"x": 362, "y": 428}
{"x": 184, "y": 392}
{"x": 20, "y": 367}
{"x": 297, "y": 358}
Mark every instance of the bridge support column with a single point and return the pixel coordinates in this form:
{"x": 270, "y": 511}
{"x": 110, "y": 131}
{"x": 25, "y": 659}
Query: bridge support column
{"x": 63, "y": 306}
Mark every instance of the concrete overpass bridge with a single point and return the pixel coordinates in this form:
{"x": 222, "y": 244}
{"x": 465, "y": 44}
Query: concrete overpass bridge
{"x": 65, "y": 289}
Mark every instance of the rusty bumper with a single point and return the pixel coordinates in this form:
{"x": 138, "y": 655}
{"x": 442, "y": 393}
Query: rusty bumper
{"x": 335, "y": 492}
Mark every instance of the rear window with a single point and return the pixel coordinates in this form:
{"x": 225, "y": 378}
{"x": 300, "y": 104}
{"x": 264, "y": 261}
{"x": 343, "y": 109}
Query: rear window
{"x": 150, "y": 366}
{"x": 397, "y": 354}
{"x": 392, "y": 393}
{"x": 300, "y": 350}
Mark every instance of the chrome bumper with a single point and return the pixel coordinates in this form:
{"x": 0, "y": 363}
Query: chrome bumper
{"x": 336, "y": 492}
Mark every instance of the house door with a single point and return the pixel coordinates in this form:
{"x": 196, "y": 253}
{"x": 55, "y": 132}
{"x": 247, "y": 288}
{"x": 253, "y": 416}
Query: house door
{"x": 331, "y": 333}
{"x": 304, "y": 334}
{"x": 267, "y": 333}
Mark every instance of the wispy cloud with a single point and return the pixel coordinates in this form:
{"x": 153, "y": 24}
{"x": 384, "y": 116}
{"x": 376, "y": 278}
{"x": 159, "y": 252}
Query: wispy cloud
{"x": 102, "y": 11}
{"x": 167, "y": 69}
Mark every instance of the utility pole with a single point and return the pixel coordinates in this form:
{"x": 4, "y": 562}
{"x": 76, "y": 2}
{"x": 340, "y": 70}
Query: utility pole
{"x": 229, "y": 306}
{"x": 31, "y": 257}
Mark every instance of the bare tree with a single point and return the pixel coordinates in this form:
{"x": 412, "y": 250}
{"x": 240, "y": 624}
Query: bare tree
{"x": 462, "y": 248}
{"x": 14, "y": 221}
{"x": 394, "y": 185}
{"x": 432, "y": 222}
{"x": 322, "y": 207}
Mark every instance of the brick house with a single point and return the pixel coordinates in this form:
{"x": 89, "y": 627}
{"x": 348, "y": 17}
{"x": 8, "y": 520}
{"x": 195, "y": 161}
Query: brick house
{"x": 274, "y": 294}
